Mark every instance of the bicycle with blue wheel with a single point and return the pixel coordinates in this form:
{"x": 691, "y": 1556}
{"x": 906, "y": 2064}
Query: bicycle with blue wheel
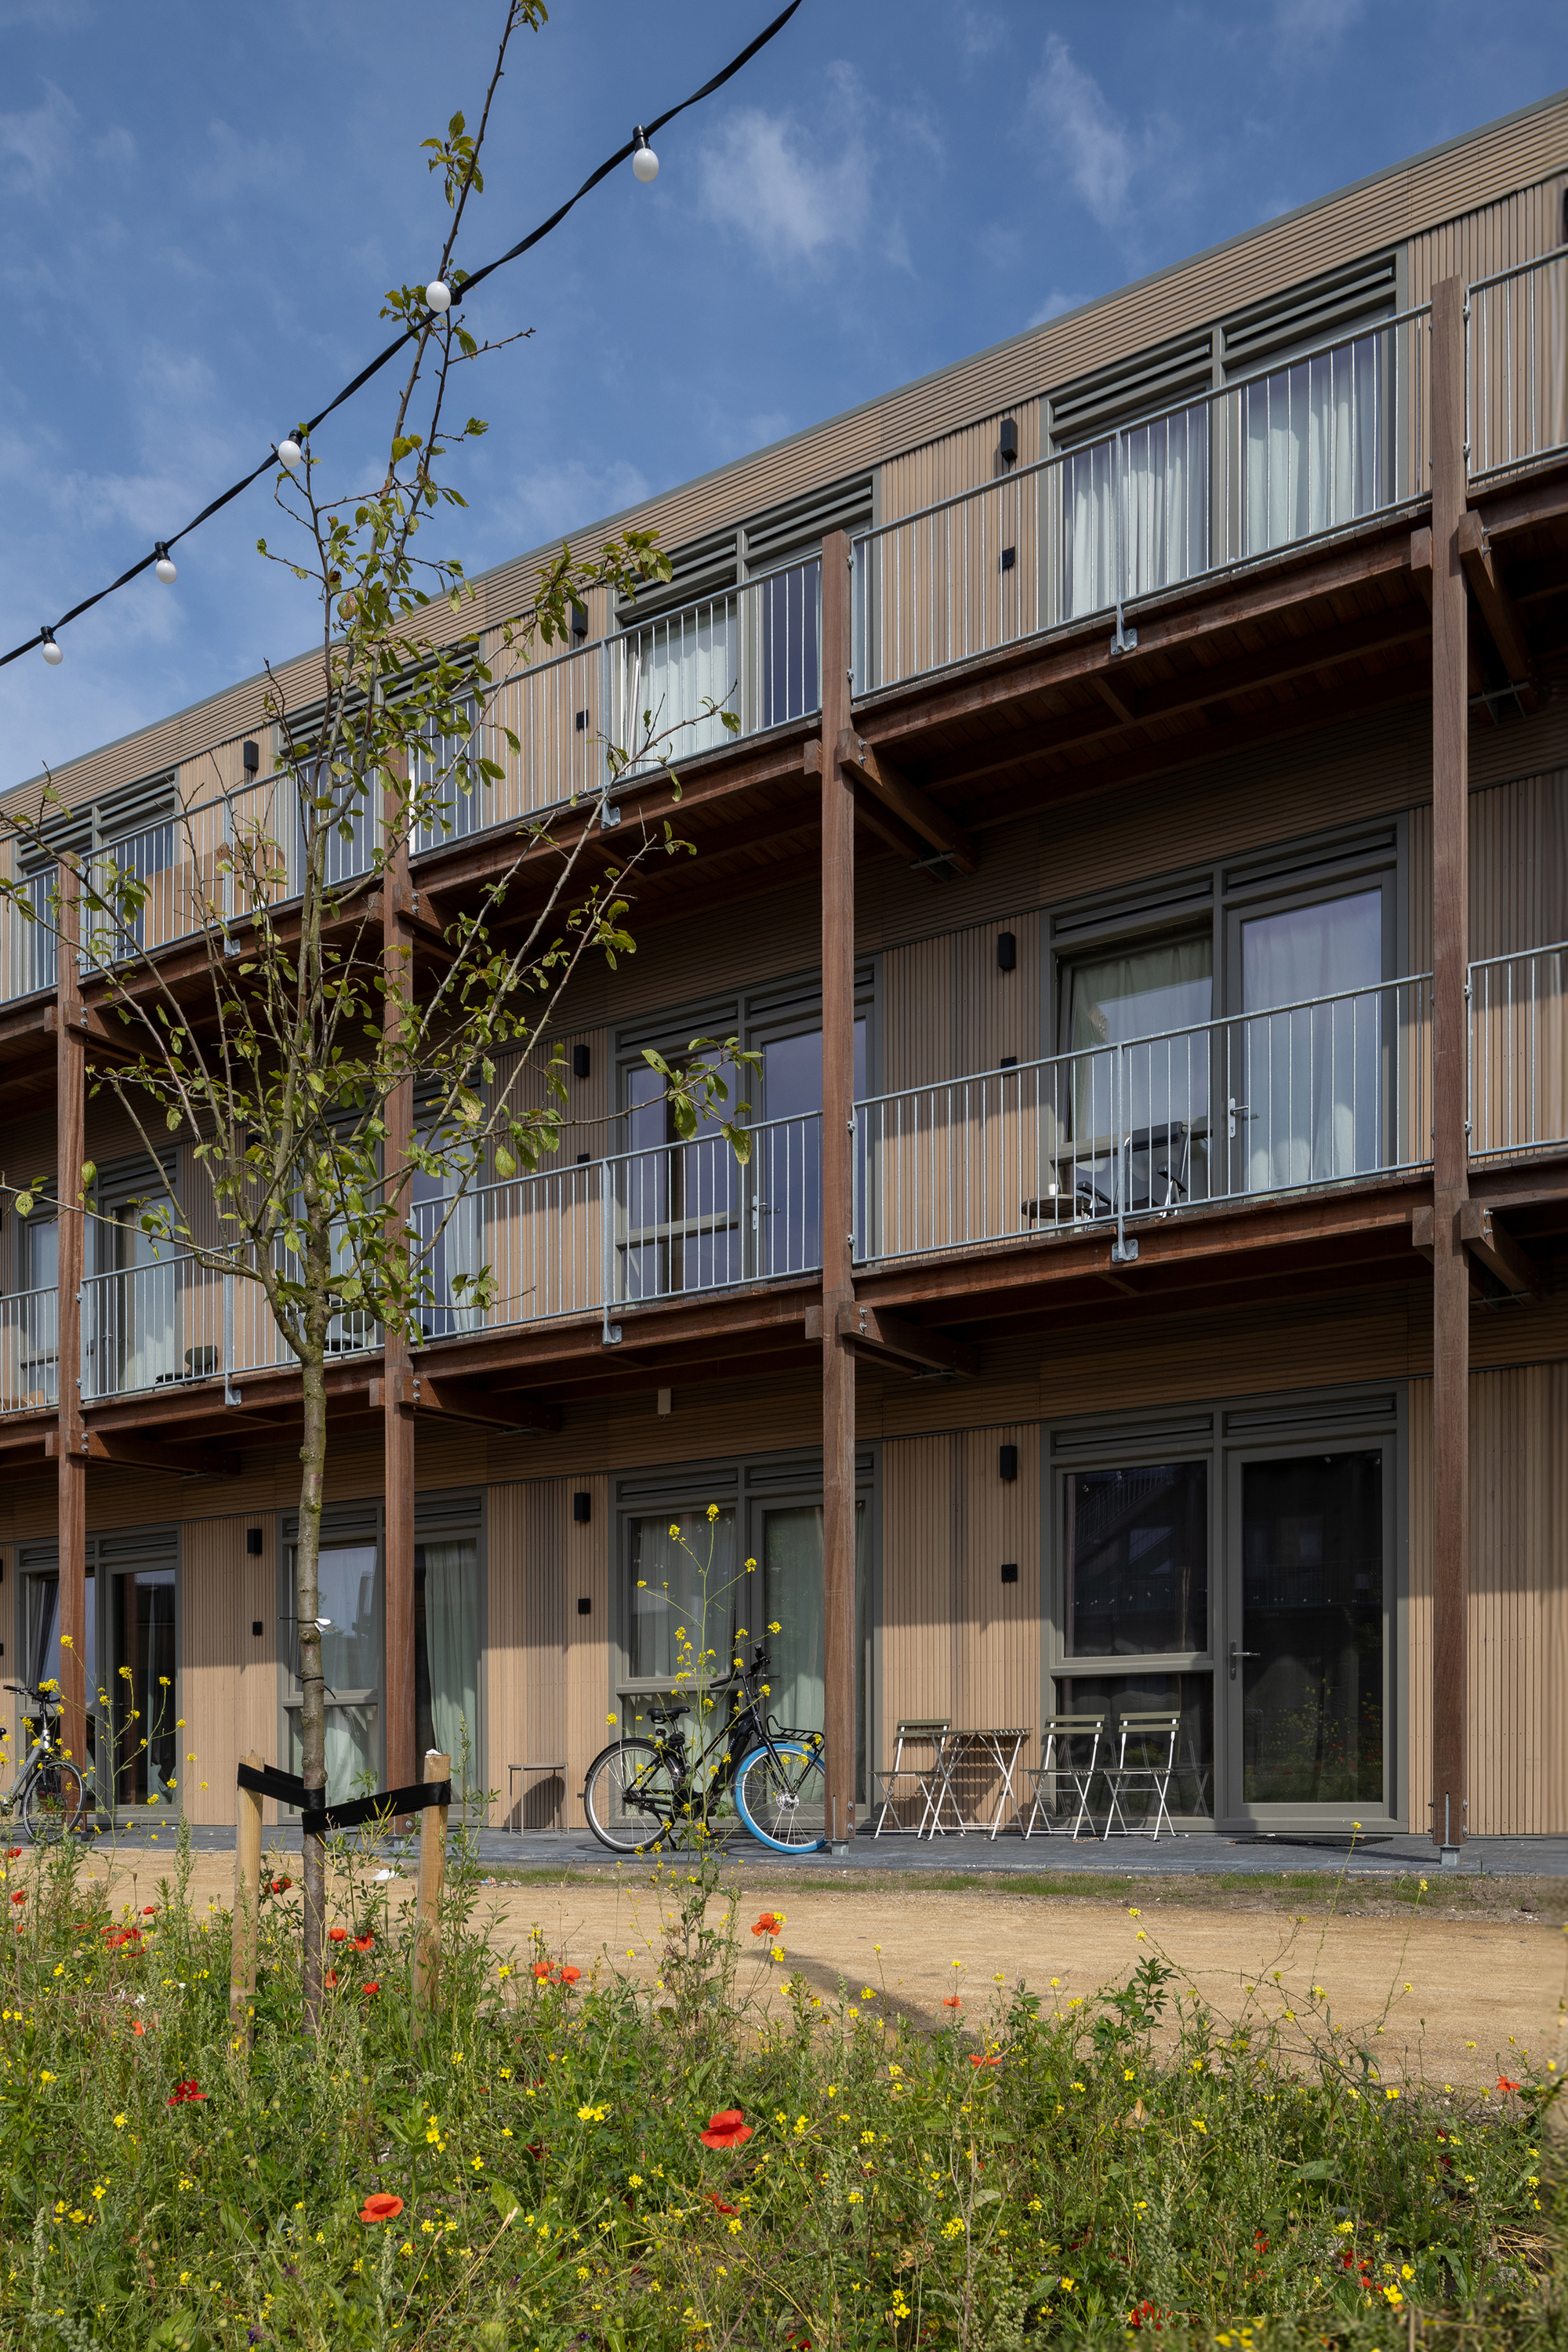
{"x": 642, "y": 1795}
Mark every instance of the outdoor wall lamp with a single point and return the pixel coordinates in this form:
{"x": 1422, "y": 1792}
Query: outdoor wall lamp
{"x": 1007, "y": 1463}
{"x": 250, "y": 755}
{"x": 253, "y": 1543}
{"x": 1007, "y": 951}
{"x": 582, "y": 1508}
{"x": 581, "y": 1061}
{"x": 1007, "y": 441}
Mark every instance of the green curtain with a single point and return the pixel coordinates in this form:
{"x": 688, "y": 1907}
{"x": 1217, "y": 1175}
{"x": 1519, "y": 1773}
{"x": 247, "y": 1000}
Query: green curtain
{"x": 452, "y": 1643}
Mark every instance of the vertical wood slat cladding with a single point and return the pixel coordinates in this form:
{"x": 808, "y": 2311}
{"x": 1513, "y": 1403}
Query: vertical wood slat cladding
{"x": 1518, "y": 1600}
{"x": 227, "y": 1680}
{"x": 999, "y": 1668}
{"x": 547, "y": 1668}
{"x": 1516, "y": 227}
{"x": 957, "y": 462}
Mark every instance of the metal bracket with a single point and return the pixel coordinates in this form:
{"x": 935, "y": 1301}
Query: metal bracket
{"x": 611, "y": 1335}
{"x": 231, "y": 1395}
{"x": 1122, "y": 1250}
{"x": 608, "y": 817}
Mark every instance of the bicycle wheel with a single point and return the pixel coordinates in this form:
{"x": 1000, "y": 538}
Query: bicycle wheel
{"x": 782, "y": 1795}
{"x": 53, "y": 1804}
{"x": 629, "y": 1796}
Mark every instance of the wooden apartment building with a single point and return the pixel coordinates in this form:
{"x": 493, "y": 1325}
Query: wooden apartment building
{"x": 1142, "y": 872}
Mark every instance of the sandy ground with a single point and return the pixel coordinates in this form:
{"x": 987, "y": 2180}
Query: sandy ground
{"x": 1457, "y": 1998}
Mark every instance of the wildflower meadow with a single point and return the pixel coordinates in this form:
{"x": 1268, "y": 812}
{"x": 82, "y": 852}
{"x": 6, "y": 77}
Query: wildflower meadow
{"x": 551, "y": 2153}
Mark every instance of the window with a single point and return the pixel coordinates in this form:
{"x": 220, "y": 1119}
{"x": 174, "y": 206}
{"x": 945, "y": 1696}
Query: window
{"x": 683, "y": 1568}
{"x": 1310, "y": 1077}
{"x": 132, "y": 1299}
{"x": 349, "y": 1602}
{"x": 1137, "y": 1545}
{"x": 141, "y": 1686}
{"x": 447, "y": 1651}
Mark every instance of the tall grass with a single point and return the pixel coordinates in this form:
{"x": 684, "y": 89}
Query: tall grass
{"x": 1094, "y": 2173}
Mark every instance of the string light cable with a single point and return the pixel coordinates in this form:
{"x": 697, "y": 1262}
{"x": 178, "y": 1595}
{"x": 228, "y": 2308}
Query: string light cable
{"x": 438, "y": 297}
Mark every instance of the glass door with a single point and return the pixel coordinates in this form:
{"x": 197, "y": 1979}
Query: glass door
{"x": 788, "y": 1550}
{"x": 1306, "y": 1670}
{"x": 141, "y": 1687}
{"x": 1306, "y": 1082}
{"x": 349, "y": 1602}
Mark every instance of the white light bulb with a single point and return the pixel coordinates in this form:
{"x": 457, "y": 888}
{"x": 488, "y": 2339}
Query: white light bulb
{"x": 438, "y": 295}
{"x": 52, "y": 653}
{"x": 645, "y": 163}
{"x": 165, "y": 568}
{"x": 288, "y": 454}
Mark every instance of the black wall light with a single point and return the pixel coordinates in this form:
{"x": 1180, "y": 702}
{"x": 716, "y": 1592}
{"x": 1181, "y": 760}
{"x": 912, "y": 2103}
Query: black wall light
{"x": 251, "y": 755}
{"x": 1007, "y": 951}
{"x": 582, "y": 1508}
{"x": 1009, "y": 1571}
{"x": 253, "y": 1542}
{"x": 581, "y": 1061}
{"x": 579, "y": 621}
{"x": 1008, "y": 1462}
{"x": 256, "y": 1627}
{"x": 1007, "y": 441}
{"x": 585, "y": 1607}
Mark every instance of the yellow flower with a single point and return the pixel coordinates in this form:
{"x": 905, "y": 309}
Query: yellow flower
{"x": 712, "y": 1510}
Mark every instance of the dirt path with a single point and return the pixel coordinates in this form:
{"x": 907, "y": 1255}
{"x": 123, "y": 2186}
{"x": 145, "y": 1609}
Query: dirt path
{"x": 1473, "y": 1982}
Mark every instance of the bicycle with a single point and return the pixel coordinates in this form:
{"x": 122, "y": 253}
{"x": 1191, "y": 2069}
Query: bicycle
{"x": 636, "y": 1793}
{"x": 48, "y": 1786}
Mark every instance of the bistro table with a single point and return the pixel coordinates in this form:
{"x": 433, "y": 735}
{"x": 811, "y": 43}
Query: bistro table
{"x": 960, "y": 1752}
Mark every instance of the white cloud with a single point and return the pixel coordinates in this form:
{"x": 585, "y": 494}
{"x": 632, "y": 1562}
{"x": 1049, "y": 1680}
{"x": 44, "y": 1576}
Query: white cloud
{"x": 793, "y": 195}
{"x": 1094, "y": 146}
{"x": 980, "y": 32}
{"x": 1313, "y": 24}
{"x": 34, "y": 147}
{"x": 553, "y": 500}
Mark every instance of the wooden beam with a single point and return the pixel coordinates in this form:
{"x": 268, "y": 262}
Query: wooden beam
{"x": 1496, "y": 609}
{"x": 89, "y": 1026}
{"x": 70, "y": 1119}
{"x": 416, "y": 1392}
{"x": 1421, "y": 563}
{"x": 1488, "y": 1239}
{"x": 872, "y": 1332}
{"x": 1424, "y": 1245}
{"x": 840, "y": 1549}
{"x": 1449, "y": 1715}
{"x": 148, "y": 1453}
{"x": 888, "y": 829}
{"x": 907, "y": 801}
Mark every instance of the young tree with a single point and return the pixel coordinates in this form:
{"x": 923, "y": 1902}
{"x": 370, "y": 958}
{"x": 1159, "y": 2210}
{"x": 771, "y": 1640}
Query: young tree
{"x": 285, "y": 1059}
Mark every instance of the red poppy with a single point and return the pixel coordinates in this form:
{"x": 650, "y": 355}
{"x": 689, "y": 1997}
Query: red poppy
{"x": 12, "y": 1852}
{"x": 282, "y": 1885}
{"x": 768, "y": 1925}
{"x": 567, "y": 1976}
{"x": 20, "y": 1896}
{"x": 138, "y": 2027}
{"x": 1504, "y": 2086}
{"x": 993, "y": 2060}
{"x": 147, "y": 1913}
{"x": 123, "y": 1939}
{"x": 331, "y": 1980}
{"x": 541, "y": 1971}
{"x": 364, "y": 1943}
{"x": 719, "y": 2205}
{"x": 952, "y": 2001}
{"x": 381, "y": 2208}
{"x": 371, "y": 1990}
{"x": 727, "y": 2129}
{"x": 183, "y": 2094}
{"x": 337, "y": 1934}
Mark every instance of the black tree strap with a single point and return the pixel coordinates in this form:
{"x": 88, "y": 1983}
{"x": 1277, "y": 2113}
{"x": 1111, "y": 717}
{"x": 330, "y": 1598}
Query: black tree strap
{"x": 289, "y": 1789}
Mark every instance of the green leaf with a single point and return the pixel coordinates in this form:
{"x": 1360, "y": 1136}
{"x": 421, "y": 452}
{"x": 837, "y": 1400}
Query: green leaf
{"x": 505, "y": 1166}
{"x": 506, "y": 2200}
{"x": 24, "y": 1204}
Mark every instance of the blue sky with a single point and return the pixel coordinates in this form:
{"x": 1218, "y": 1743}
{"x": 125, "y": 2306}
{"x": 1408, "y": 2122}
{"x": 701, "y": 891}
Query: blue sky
{"x": 201, "y": 206}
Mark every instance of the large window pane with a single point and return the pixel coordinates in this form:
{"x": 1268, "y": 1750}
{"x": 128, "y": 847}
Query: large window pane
{"x": 447, "y": 1650}
{"x": 1315, "y": 443}
{"x": 1114, "y": 1696}
{"x": 1312, "y": 1630}
{"x": 142, "y": 1693}
{"x": 1137, "y": 1549}
{"x": 682, "y": 1582}
{"x": 1310, "y": 1081}
{"x": 349, "y": 1609}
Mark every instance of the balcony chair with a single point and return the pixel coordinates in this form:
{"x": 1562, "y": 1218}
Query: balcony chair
{"x": 926, "y": 1779}
{"x": 1064, "y": 1734}
{"x": 1160, "y": 1182}
{"x": 1152, "y": 1737}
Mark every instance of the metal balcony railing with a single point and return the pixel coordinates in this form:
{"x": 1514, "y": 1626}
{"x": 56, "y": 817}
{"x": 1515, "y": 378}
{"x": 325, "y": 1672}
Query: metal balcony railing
{"x": 1516, "y": 364}
{"x": 1324, "y": 1091}
{"x": 1518, "y": 1052}
{"x": 173, "y": 1320}
{"x": 29, "y": 1350}
{"x": 1292, "y": 454}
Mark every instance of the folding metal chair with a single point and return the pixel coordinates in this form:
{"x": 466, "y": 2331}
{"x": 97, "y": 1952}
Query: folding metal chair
{"x": 1147, "y": 1734}
{"x": 1059, "y": 1764}
{"x": 926, "y": 1777}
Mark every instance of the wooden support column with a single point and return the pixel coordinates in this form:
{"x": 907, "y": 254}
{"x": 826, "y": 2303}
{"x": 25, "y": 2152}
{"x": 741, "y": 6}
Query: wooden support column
{"x": 1450, "y": 1068}
{"x": 70, "y": 1125}
{"x": 396, "y": 1388}
{"x": 837, "y": 1193}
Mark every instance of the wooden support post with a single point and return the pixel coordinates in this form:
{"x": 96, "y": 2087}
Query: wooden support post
{"x": 837, "y": 1193}
{"x": 396, "y": 1419}
{"x": 432, "y": 1871}
{"x": 71, "y": 1126}
{"x": 1450, "y": 1071}
{"x": 247, "y": 1898}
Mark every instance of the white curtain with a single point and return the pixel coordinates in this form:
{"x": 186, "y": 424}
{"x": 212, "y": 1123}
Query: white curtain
{"x": 1089, "y": 526}
{"x": 1164, "y": 510}
{"x": 1162, "y": 993}
{"x": 671, "y": 668}
{"x": 683, "y": 1586}
{"x": 1314, "y": 439}
{"x": 452, "y": 1643}
{"x": 1309, "y": 1079}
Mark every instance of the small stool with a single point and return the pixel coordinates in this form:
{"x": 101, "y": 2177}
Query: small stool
{"x": 520, "y": 1772}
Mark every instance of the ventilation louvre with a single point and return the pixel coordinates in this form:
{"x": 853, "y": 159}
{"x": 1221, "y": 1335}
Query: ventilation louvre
{"x": 1322, "y": 310}
{"x": 1092, "y": 406}
{"x": 797, "y": 529}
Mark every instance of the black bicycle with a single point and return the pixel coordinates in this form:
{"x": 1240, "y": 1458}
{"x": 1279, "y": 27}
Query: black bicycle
{"x": 49, "y": 1789}
{"x": 642, "y": 1794}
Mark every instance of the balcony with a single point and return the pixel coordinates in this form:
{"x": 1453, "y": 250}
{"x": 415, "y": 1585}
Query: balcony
{"x": 1326, "y": 1095}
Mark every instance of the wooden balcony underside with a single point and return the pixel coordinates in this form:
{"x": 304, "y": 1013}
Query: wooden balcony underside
{"x": 1344, "y": 1241}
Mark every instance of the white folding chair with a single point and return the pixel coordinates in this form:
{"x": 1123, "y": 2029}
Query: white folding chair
{"x": 1064, "y": 1734}
{"x": 1153, "y": 1738}
{"x": 925, "y": 1778}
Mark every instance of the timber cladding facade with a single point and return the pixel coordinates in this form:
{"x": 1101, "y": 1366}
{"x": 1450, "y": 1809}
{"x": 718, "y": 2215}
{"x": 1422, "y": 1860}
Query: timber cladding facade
{"x": 1142, "y": 876}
